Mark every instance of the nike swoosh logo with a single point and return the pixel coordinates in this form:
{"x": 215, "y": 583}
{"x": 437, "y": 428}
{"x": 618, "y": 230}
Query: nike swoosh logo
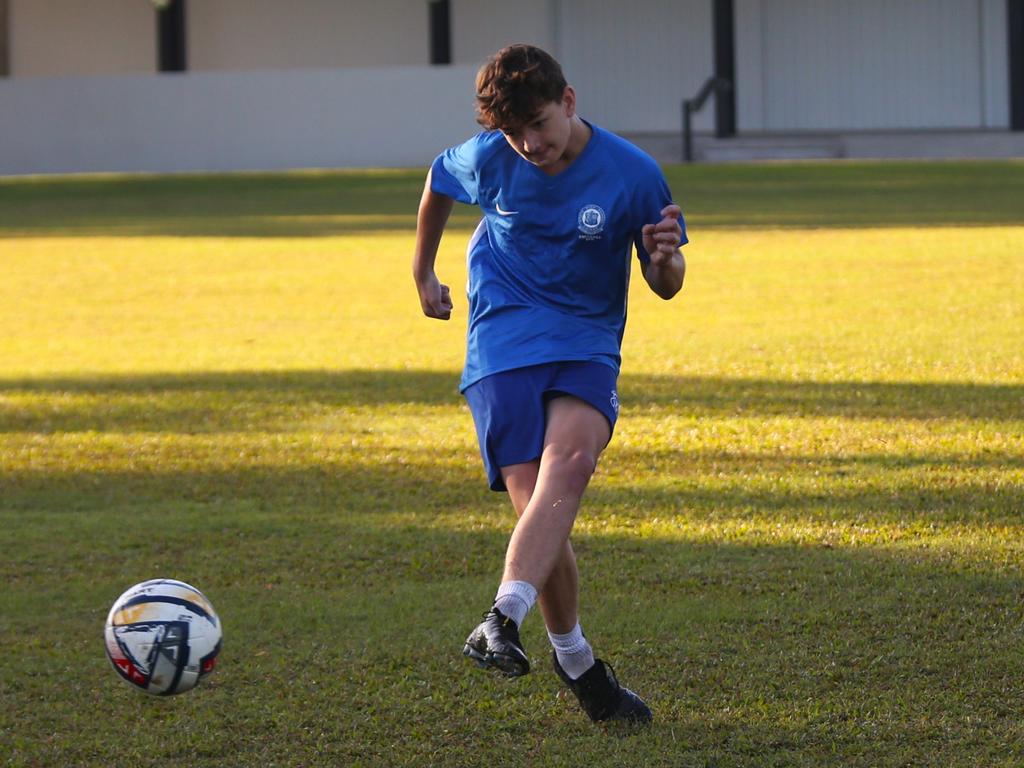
{"x": 497, "y": 207}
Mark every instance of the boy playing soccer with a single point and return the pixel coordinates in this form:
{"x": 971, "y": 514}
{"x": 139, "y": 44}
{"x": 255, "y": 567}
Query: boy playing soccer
{"x": 564, "y": 203}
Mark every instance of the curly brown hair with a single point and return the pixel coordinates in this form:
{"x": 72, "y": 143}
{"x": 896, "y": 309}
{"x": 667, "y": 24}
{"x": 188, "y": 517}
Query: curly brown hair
{"x": 514, "y": 85}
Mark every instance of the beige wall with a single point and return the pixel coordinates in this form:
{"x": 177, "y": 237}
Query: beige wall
{"x": 313, "y": 34}
{"x": 481, "y": 27}
{"x": 91, "y": 37}
{"x": 81, "y": 37}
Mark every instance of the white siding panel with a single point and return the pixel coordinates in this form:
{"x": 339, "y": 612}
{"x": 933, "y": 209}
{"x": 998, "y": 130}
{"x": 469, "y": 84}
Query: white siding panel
{"x": 750, "y": 73}
{"x": 994, "y": 62}
{"x": 867, "y": 64}
{"x": 313, "y": 34}
{"x": 632, "y": 64}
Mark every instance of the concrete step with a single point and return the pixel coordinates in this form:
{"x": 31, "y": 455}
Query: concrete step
{"x": 744, "y": 148}
{"x": 668, "y": 148}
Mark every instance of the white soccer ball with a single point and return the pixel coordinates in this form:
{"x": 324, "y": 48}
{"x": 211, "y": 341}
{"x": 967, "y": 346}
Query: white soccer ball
{"x": 163, "y": 636}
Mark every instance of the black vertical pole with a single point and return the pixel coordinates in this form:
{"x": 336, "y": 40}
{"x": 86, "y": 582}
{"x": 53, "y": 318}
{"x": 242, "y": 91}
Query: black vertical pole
{"x": 687, "y": 132}
{"x": 5, "y": 48}
{"x": 725, "y": 67}
{"x": 1015, "y": 25}
{"x": 440, "y": 32}
{"x": 170, "y": 35}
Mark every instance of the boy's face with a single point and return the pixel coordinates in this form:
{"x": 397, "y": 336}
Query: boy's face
{"x": 542, "y": 140}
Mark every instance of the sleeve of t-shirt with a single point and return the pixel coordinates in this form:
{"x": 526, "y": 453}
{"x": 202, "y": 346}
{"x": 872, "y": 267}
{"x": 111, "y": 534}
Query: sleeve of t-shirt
{"x": 454, "y": 172}
{"x": 651, "y": 197}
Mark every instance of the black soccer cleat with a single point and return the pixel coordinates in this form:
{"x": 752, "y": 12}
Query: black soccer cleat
{"x": 601, "y": 696}
{"x": 495, "y": 644}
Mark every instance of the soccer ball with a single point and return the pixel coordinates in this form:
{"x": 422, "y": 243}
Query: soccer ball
{"x": 163, "y": 636}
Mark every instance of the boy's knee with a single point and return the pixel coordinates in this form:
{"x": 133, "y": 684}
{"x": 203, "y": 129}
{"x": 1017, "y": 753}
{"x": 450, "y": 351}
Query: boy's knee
{"x": 574, "y": 466}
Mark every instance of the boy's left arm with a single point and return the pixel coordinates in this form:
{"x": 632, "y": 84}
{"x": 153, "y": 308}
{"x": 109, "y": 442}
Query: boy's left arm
{"x": 667, "y": 267}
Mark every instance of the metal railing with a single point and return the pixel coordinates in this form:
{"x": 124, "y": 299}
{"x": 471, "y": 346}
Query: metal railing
{"x": 714, "y": 85}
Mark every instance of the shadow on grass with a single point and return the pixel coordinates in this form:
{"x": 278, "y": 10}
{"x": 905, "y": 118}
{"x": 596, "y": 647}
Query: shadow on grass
{"x": 867, "y": 194}
{"x": 269, "y": 401}
{"x": 425, "y": 483}
{"x": 417, "y": 513}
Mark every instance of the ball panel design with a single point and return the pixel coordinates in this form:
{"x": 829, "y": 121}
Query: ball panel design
{"x": 162, "y": 636}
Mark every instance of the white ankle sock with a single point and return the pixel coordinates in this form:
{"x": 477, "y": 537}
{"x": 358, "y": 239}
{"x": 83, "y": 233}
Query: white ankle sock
{"x": 515, "y": 599}
{"x": 573, "y": 651}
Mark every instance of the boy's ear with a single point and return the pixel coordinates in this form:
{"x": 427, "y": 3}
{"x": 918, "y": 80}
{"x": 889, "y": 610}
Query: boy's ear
{"x": 569, "y": 101}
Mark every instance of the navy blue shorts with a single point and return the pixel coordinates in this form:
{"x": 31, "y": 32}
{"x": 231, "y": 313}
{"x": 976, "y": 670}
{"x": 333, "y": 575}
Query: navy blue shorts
{"x": 509, "y": 408}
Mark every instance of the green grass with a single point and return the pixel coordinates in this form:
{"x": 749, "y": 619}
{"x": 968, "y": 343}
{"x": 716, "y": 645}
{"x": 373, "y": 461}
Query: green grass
{"x": 803, "y": 546}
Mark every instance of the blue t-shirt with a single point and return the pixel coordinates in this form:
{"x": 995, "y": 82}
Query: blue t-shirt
{"x": 549, "y": 263}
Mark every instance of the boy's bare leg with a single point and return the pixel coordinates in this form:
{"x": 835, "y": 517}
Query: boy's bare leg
{"x": 575, "y": 436}
{"x": 559, "y": 600}
{"x": 546, "y": 495}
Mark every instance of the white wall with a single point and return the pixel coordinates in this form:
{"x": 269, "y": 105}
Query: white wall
{"x": 995, "y": 69}
{"x": 870, "y": 64}
{"x": 802, "y": 65}
{"x": 60, "y": 37}
{"x": 633, "y": 63}
{"x": 386, "y": 117}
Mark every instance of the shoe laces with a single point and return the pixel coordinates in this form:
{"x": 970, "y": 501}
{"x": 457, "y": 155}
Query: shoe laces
{"x": 610, "y": 673}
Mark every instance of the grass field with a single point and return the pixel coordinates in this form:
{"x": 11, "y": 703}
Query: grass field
{"x": 803, "y": 547}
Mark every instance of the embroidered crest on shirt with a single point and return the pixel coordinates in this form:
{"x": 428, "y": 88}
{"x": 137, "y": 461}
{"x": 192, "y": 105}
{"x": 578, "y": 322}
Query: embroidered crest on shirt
{"x": 591, "y": 222}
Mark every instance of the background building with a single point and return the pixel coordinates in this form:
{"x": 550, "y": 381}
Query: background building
{"x": 314, "y": 83}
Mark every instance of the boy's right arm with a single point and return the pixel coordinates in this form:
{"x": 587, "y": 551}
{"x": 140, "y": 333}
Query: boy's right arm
{"x": 435, "y": 208}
